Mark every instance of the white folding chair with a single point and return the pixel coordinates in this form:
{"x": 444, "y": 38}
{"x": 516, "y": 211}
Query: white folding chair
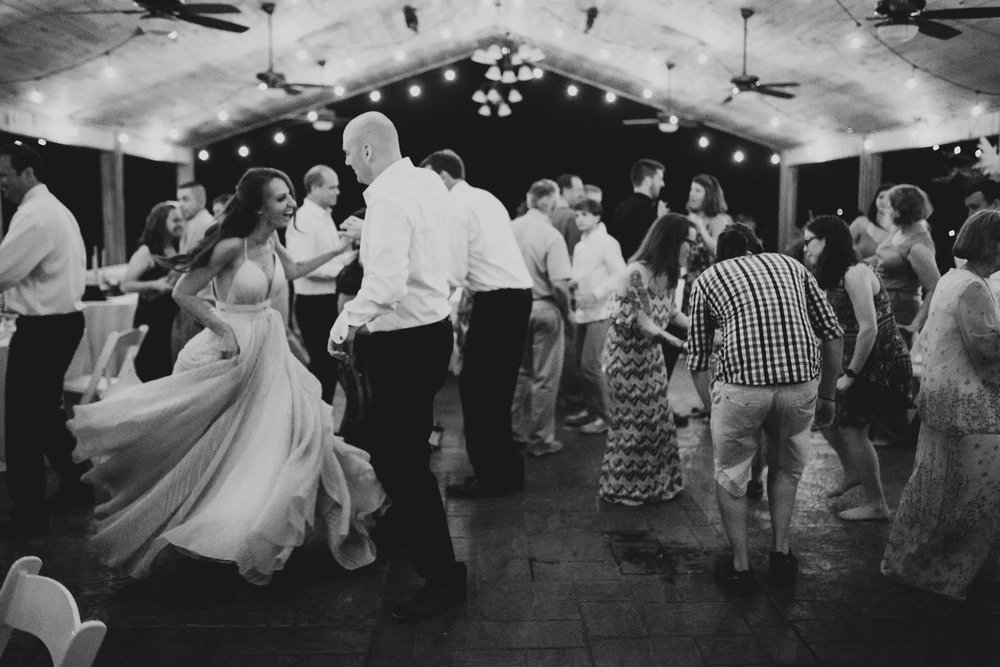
{"x": 46, "y": 609}
{"x": 114, "y": 365}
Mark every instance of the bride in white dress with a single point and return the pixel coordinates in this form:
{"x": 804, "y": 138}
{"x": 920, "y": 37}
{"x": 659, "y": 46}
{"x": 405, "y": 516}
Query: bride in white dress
{"x": 233, "y": 457}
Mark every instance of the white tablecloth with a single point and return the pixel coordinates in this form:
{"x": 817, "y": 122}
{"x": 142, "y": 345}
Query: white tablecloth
{"x": 101, "y": 318}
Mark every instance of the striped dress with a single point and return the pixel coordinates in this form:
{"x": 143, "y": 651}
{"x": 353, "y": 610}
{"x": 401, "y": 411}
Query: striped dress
{"x": 641, "y": 462}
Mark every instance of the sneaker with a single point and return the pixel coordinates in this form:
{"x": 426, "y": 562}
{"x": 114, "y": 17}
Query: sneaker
{"x": 595, "y": 427}
{"x": 544, "y": 448}
{"x": 728, "y": 578}
{"x": 755, "y": 490}
{"x": 578, "y": 418}
{"x": 783, "y": 567}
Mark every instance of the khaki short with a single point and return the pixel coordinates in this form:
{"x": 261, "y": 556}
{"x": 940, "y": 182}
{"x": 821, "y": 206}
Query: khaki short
{"x": 745, "y": 419}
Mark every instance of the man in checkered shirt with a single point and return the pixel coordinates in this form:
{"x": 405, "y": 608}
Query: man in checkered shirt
{"x": 777, "y": 331}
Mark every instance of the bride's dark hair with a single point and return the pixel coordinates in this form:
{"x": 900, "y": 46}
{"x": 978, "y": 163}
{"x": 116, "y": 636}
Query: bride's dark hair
{"x": 237, "y": 220}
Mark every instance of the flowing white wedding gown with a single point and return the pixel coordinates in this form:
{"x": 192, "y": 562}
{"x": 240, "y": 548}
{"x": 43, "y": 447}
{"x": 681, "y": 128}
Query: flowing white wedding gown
{"x": 229, "y": 459}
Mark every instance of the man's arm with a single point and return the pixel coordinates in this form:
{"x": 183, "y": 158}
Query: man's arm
{"x": 24, "y": 247}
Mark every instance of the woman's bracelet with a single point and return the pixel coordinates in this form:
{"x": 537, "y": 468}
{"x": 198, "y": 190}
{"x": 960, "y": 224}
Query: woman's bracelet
{"x": 827, "y": 398}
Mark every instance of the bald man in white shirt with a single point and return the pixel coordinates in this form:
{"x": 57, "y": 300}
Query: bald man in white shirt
{"x": 403, "y": 302}
{"x": 42, "y": 274}
{"x": 314, "y": 232}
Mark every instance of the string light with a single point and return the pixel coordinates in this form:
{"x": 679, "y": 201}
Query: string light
{"x": 174, "y": 134}
{"x": 867, "y": 144}
{"x": 977, "y": 108}
{"x": 375, "y": 96}
{"x": 279, "y": 138}
{"x": 223, "y": 115}
{"x": 203, "y": 155}
{"x": 703, "y": 142}
{"x": 775, "y": 158}
{"x": 415, "y": 91}
{"x": 775, "y": 121}
{"x": 572, "y": 90}
{"x": 243, "y": 151}
{"x": 400, "y": 55}
{"x": 42, "y": 142}
{"x": 338, "y": 91}
{"x": 739, "y": 156}
{"x": 123, "y": 138}
{"x": 911, "y": 83}
{"x": 957, "y": 150}
{"x": 647, "y": 94}
{"x": 36, "y": 97}
{"x": 610, "y": 97}
{"x": 449, "y": 75}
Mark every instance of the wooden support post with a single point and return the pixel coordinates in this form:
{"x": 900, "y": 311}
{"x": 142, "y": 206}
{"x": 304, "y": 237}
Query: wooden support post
{"x": 869, "y": 178}
{"x": 113, "y": 205}
{"x": 788, "y": 199}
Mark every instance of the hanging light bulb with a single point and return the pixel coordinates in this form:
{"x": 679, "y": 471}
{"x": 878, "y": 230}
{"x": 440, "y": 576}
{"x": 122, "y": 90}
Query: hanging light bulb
{"x": 524, "y": 73}
{"x": 503, "y": 110}
{"x": 494, "y": 96}
{"x": 482, "y": 57}
{"x": 312, "y": 116}
{"x": 479, "y": 97}
{"x": 493, "y": 73}
{"x": 485, "y": 110}
{"x": 514, "y": 96}
{"x": 508, "y": 77}
{"x": 494, "y": 52}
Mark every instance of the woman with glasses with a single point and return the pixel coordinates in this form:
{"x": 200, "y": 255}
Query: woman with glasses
{"x": 876, "y": 365}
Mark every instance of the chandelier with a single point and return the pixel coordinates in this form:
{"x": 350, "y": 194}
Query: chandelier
{"x": 508, "y": 64}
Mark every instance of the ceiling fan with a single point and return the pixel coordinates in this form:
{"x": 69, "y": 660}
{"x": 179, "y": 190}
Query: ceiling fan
{"x": 270, "y": 78}
{"x": 666, "y": 120}
{"x": 910, "y": 14}
{"x": 177, "y": 10}
{"x": 748, "y": 83}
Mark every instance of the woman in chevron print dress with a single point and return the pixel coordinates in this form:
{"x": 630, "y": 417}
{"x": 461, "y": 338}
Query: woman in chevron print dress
{"x": 641, "y": 462}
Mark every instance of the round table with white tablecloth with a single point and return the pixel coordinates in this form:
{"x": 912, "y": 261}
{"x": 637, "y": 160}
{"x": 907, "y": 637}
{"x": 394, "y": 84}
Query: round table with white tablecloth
{"x": 101, "y": 318}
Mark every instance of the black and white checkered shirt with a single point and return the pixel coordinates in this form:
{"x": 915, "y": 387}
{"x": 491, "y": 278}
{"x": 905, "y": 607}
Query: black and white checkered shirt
{"x": 772, "y": 315}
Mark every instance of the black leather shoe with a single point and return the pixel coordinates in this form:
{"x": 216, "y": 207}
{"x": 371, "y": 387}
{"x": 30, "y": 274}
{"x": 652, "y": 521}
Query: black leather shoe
{"x": 473, "y": 487}
{"x": 680, "y": 421}
{"x": 783, "y": 567}
{"x": 25, "y": 527}
{"x": 434, "y": 599}
{"x": 755, "y": 490}
{"x": 70, "y": 495}
{"x": 729, "y": 578}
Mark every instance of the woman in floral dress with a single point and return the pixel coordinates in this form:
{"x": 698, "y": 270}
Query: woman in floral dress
{"x": 948, "y": 519}
{"x": 641, "y": 462}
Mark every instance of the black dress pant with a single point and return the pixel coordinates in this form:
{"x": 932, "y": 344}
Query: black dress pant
{"x": 39, "y": 354}
{"x": 316, "y": 314}
{"x": 406, "y": 368}
{"x": 492, "y": 356}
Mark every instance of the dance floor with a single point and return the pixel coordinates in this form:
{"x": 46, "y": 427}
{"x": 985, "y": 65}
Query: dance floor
{"x": 556, "y": 578}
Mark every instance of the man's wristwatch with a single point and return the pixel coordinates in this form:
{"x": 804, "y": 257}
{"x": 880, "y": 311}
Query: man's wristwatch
{"x": 849, "y": 373}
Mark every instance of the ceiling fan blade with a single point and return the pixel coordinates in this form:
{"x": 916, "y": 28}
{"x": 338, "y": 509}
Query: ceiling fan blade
{"x": 937, "y": 30}
{"x": 786, "y": 84}
{"x": 209, "y": 8}
{"x": 970, "y": 13}
{"x": 728, "y": 100}
{"x": 209, "y": 22}
{"x": 764, "y": 90}
{"x": 640, "y": 121}
{"x": 290, "y": 89}
{"x": 307, "y": 85}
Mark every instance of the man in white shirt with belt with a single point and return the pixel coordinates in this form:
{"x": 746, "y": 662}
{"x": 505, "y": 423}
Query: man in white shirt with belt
{"x": 42, "y": 273}
{"x": 314, "y": 232}
{"x": 487, "y": 262}
{"x": 403, "y": 302}
{"x": 191, "y": 198}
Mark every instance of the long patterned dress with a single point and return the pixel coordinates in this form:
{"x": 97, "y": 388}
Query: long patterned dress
{"x": 949, "y": 514}
{"x": 641, "y": 462}
{"x": 884, "y": 383}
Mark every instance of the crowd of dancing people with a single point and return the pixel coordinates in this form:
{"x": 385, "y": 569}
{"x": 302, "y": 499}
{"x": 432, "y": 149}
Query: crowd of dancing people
{"x": 228, "y": 450}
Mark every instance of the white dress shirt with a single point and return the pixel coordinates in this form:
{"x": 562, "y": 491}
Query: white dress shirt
{"x": 312, "y": 233}
{"x": 404, "y": 251}
{"x": 598, "y": 266}
{"x": 43, "y": 263}
{"x": 484, "y": 255}
{"x": 194, "y": 230}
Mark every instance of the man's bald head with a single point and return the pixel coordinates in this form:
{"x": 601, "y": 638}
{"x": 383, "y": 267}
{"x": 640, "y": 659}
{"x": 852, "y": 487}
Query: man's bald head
{"x": 371, "y": 144}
